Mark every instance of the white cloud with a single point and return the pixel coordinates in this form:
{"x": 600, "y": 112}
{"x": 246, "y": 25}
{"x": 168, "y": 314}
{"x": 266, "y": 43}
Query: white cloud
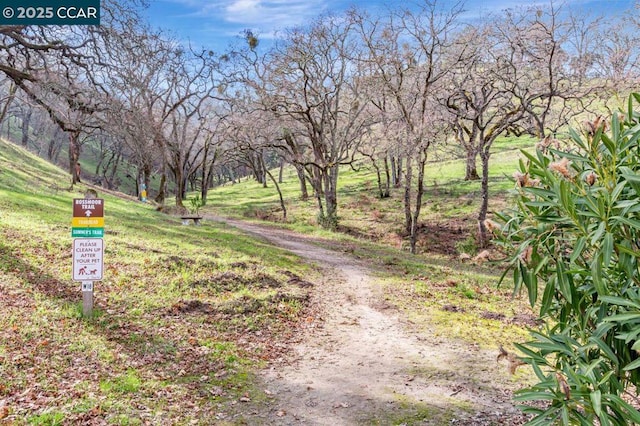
{"x": 269, "y": 14}
{"x": 272, "y": 13}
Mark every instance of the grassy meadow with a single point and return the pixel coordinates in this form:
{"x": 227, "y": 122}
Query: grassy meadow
{"x": 186, "y": 315}
{"x": 182, "y": 318}
{"x": 435, "y": 289}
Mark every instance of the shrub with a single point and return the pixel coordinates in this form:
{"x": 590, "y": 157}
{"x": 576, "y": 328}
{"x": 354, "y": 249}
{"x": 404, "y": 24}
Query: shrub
{"x": 573, "y": 243}
{"x": 195, "y": 204}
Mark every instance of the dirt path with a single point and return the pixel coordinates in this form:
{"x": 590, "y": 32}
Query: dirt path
{"x": 360, "y": 364}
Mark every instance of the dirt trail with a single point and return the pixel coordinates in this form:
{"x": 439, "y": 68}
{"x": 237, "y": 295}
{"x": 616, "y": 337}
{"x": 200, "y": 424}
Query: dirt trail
{"x": 360, "y": 364}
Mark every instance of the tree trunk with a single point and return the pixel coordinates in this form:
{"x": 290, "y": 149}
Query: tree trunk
{"x": 317, "y": 177}
{"x": 5, "y": 108}
{"x": 471, "y": 171}
{"x": 394, "y": 181}
{"x": 181, "y": 186}
{"x": 419, "y": 193}
{"x": 162, "y": 188}
{"x": 110, "y": 181}
{"x": 304, "y": 193}
{"x": 408, "y": 217}
{"x": 53, "y": 147}
{"x": 207, "y": 174}
{"x": 284, "y": 208}
{"x": 330, "y": 179}
{"x": 207, "y": 183}
{"x": 398, "y": 172}
{"x": 74, "y": 157}
{"x": 263, "y": 171}
{"x": 316, "y": 192}
{"x": 378, "y": 178}
{"x": 387, "y": 187}
{"x": 281, "y": 172}
{"x": 484, "y": 205}
{"x": 26, "y": 119}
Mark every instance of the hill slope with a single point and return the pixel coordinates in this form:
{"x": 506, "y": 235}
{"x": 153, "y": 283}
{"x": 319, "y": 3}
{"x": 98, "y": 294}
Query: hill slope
{"x": 187, "y": 315}
{"x": 183, "y": 313}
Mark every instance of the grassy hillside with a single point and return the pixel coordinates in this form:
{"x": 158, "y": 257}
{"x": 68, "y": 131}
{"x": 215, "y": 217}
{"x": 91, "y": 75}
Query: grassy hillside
{"x": 435, "y": 289}
{"x": 183, "y": 314}
{"x": 450, "y": 203}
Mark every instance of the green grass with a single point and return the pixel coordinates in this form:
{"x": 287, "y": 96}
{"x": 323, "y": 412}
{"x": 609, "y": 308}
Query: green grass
{"x": 165, "y": 329}
{"x": 448, "y": 197}
{"x": 434, "y": 289}
{"x": 185, "y": 315}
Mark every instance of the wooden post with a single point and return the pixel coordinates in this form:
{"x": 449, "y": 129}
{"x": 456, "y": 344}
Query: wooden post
{"x": 88, "y": 245}
{"x": 87, "y": 298}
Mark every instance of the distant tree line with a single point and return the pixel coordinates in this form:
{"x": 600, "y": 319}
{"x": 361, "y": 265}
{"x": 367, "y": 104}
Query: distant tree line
{"x": 394, "y": 89}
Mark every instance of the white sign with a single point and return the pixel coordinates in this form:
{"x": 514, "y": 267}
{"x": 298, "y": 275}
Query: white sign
{"x": 87, "y": 259}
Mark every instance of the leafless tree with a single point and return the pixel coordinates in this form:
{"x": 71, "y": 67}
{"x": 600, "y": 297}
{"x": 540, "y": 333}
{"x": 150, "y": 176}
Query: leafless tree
{"x": 312, "y": 79}
{"x": 616, "y": 58}
{"x": 408, "y": 56}
{"x": 515, "y": 79}
{"x": 61, "y": 68}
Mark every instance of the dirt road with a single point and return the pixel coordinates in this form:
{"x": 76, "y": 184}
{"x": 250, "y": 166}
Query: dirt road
{"x": 362, "y": 364}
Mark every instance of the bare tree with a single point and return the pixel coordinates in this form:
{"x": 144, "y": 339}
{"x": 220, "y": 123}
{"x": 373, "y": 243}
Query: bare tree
{"x": 61, "y": 68}
{"x": 408, "y": 56}
{"x": 616, "y": 59}
{"x": 312, "y": 79}
{"x": 515, "y": 79}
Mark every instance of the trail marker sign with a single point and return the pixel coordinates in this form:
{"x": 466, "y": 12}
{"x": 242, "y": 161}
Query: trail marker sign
{"x": 88, "y": 207}
{"x": 88, "y": 259}
{"x": 88, "y": 251}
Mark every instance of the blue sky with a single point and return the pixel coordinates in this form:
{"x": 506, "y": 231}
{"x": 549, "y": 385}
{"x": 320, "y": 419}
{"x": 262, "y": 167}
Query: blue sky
{"x": 215, "y": 23}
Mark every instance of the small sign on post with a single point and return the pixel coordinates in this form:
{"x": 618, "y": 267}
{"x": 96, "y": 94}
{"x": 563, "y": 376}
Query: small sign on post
{"x": 88, "y": 251}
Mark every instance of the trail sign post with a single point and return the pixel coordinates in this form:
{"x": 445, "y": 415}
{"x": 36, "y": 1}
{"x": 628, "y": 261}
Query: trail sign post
{"x": 88, "y": 251}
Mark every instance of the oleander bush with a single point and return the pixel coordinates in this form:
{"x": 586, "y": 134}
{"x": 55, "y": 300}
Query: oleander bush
{"x": 573, "y": 243}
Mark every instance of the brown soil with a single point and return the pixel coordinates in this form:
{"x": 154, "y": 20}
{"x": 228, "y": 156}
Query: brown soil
{"x": 359, "y": 362}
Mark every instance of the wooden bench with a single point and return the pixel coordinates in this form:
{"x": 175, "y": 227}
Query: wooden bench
{"x": 187, "y": 219}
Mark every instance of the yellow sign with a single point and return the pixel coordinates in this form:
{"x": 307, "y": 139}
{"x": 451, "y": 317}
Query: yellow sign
{"x": 87, "y": 222}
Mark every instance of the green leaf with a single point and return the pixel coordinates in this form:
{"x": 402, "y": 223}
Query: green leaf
{"x": 620, "y": 301}
{"x": 563, "y": 283}
{"x": 615, "y": 127}
{"x": 627, "y": 250}
{"x": 605, "y": 348}
{"x": 547, "y": 299}
{"x": 607, "y": 249}
{"x": 534, "y": 396}
{"x": 630, "y": 222}
{"x": 531, "y": 283}
{"x": 565, "y": 198}
{"x": 630, "y": 413}
{"x": 596, "y": 402}
{"x": 577, "y": 249}
{"x": 632, "y": 365}
{"x": 577, "y": 138}
{"x": 531, "y": 158}
{"x": 617, "y": 191}
{"x": 606, "y": 141}
{"x": 596, "y": 275}
{"x": 598, "y": 234}
{"x": 517, "y": 281}
{"x": 623, "y": 317}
